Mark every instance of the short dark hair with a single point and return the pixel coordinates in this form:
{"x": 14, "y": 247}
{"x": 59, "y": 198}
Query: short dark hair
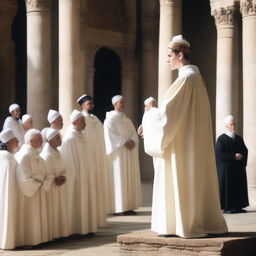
{"x": 186, "y": 55}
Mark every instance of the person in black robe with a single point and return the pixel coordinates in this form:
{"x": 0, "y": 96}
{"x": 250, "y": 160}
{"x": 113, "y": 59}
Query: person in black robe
{"x": 231, "y": 156}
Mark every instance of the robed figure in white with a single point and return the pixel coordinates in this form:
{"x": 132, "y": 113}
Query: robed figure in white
{"x": 94, "y": 135}
{"x": 57, "y": 193}
{"x": 178, "y": 135}
{"x": 33, "y": 182}
{"x": 80, "y": 183}
{"x": 122, "y": 149}
{"x": 8, "y": 188}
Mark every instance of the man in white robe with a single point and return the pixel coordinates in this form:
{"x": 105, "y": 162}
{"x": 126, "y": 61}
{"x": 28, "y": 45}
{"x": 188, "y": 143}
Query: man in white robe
{"x": 179, "y": 135}
{"x": 80, "y": 183}
{"x": 122, "y": 149}
{"x": 94, "y": 134}
{"x": 58, "y": 195}
{"x": 33, "y": 182}
{"x": 13, "y": 122}
{"x": 8, "y": 188}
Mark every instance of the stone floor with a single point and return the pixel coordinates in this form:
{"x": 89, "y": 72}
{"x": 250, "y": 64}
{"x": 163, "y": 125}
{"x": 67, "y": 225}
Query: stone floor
{"x": 104, "y": 243}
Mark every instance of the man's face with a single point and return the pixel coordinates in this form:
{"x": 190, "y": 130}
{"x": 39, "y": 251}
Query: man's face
{"x": 173, "y": 59}
{"x": 80, "y": 123}
{"x": 12, "y": 145}
{"x": 55, "y": 142}
{"x": 231, "y": 126}
{"x": 28, "y": 124}
{"x": 36, "y": 141}
{"x": 119, "y": 106}
{"x": 57, "y": 123}
{"x": 88, "y": 106}
{"x": 16, "y": 113}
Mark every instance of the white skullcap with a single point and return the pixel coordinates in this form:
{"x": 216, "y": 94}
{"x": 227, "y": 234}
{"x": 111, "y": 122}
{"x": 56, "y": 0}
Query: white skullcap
{"x": 51, "y": 133}
{"x": 13, "y": 107}
{"x": 180, "y": 40}
{"x": 148, "y": 100}
{"x": 75, "y": 115}
{"x": 25, "y": 118}
{"x": 29, "y": 135}
{"x": 116, "y": 98}
{"x": 6, "y": 135}
{"x": 229, "y": 118}
{"x": 52, "y": 115}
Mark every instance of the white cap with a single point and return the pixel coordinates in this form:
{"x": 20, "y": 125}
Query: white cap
{"x": 13, "y": 107}
{"x": 148, "y": 100}
{"x": 179, "y": 39}
{"x": 25, "y": 118}
{"x": 116, "y": 98}
{"x": 51, "y": 133}
{"x": 29, "y": 135}
{"x": 75, "y": 115}
{"x": 6, "y": 135}
{"x": 229, "y": 118}
{"x": 52, "y": 115}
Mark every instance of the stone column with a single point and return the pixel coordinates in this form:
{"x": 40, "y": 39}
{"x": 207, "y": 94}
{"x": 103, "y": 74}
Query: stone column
{"x": 227, "y": 76}
{"x": 39, "y": 67}
{"x": 70, "y": 57}
{"x": 8, "y": 10}
{"x": 248, "y": 10}
{"x": 170, "y": 25}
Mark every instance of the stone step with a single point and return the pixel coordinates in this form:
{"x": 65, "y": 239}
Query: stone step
{"x": 148, "y": 243}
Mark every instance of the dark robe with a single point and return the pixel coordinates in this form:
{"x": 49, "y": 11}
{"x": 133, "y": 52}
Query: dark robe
{"x": 232, "y": 173}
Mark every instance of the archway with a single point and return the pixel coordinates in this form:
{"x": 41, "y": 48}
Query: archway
{"x": 107, "y": 80}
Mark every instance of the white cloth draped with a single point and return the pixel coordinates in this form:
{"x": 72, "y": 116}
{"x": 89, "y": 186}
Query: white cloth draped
{"x": 124, "y": 163}
{"x": 178, "y": 135}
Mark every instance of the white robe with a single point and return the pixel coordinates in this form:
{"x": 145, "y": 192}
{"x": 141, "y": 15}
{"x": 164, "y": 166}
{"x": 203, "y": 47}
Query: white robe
{"x": 8, "y": 200}
{"x": 94, "y": 134}
{"x": 33, "y": 182}
{"x": 179, "y": 135}
{"x": 17, "y": 128}
{"x": 80, "y": 183}
{"x": 57, "y": 195}
{"x": 124, "y": 163}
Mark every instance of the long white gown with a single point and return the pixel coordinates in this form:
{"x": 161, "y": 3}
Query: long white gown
{"x": 8, "y": 200}
{"x": 94, "y": 134}
{"x": 57, "y": 195}
{"x": 178, "y": 135}
{"x": 124, "y": 163}
{"x": 33, "y": 183}
{"x": 80, "y": 183}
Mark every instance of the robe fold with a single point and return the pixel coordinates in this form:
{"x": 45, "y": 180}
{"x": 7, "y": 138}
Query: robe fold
{"x": 94, "y": 135}
{"x": 124, "y": 163}
{"x": 8, "y": 200}
{"x": 80, "y": 183}
{"x": 178, "y": 135}
{"x": 33, "y": 183}
{"x": 232, "y": 173}
{"x": 57, "y": 195}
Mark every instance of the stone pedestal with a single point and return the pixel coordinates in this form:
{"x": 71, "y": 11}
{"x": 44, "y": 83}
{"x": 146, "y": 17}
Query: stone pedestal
{"x": 39, "y": 59}
{"x": 147, "y": 243}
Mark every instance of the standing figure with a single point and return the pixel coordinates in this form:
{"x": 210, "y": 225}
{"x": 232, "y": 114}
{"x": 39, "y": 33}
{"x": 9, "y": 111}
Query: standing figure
{"x": 231, "y": 156}
{"x": 178, "y": 135}
{"x": 122, "y": 150}
{"x": 27, "y": 122}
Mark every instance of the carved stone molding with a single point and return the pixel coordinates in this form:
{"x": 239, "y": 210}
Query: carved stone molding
{"x": 38, "y": 5}
{"x": 225, "y": 15}
{"x": 169, "y": 2}
{"x": 248, "y": 7}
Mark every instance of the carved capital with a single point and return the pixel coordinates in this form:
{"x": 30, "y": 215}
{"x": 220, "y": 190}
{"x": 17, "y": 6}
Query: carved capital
{"x": 225, "y": 15}
{"x": 38, "y": 5}
{"x": 169, "y": 2}
{"x": 248, "y": 7}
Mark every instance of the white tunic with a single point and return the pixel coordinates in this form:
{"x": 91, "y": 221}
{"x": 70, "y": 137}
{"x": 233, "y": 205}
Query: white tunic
{"x": 33, "y": 181}
{"x": 57, "y": 194}
{"x": 80, "y": 184}
{"x": 8, "y": 200}
{"x": 17, "y": 128}
{"x": 179, "y": 135}
{"x": 124, "y": 163}
{"x": 94, "y": 134}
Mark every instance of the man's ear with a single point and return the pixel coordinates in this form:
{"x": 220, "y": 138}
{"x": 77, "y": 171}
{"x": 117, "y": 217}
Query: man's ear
{"x": 180, "y": 55}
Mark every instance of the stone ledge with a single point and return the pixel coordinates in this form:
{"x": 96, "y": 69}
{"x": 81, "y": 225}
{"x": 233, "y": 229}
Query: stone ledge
{"x": 147, "y": 243}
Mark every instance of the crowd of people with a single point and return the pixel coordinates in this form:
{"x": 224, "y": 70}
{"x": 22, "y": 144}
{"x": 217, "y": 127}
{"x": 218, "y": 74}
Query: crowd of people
{"x": 56, "y": 185}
